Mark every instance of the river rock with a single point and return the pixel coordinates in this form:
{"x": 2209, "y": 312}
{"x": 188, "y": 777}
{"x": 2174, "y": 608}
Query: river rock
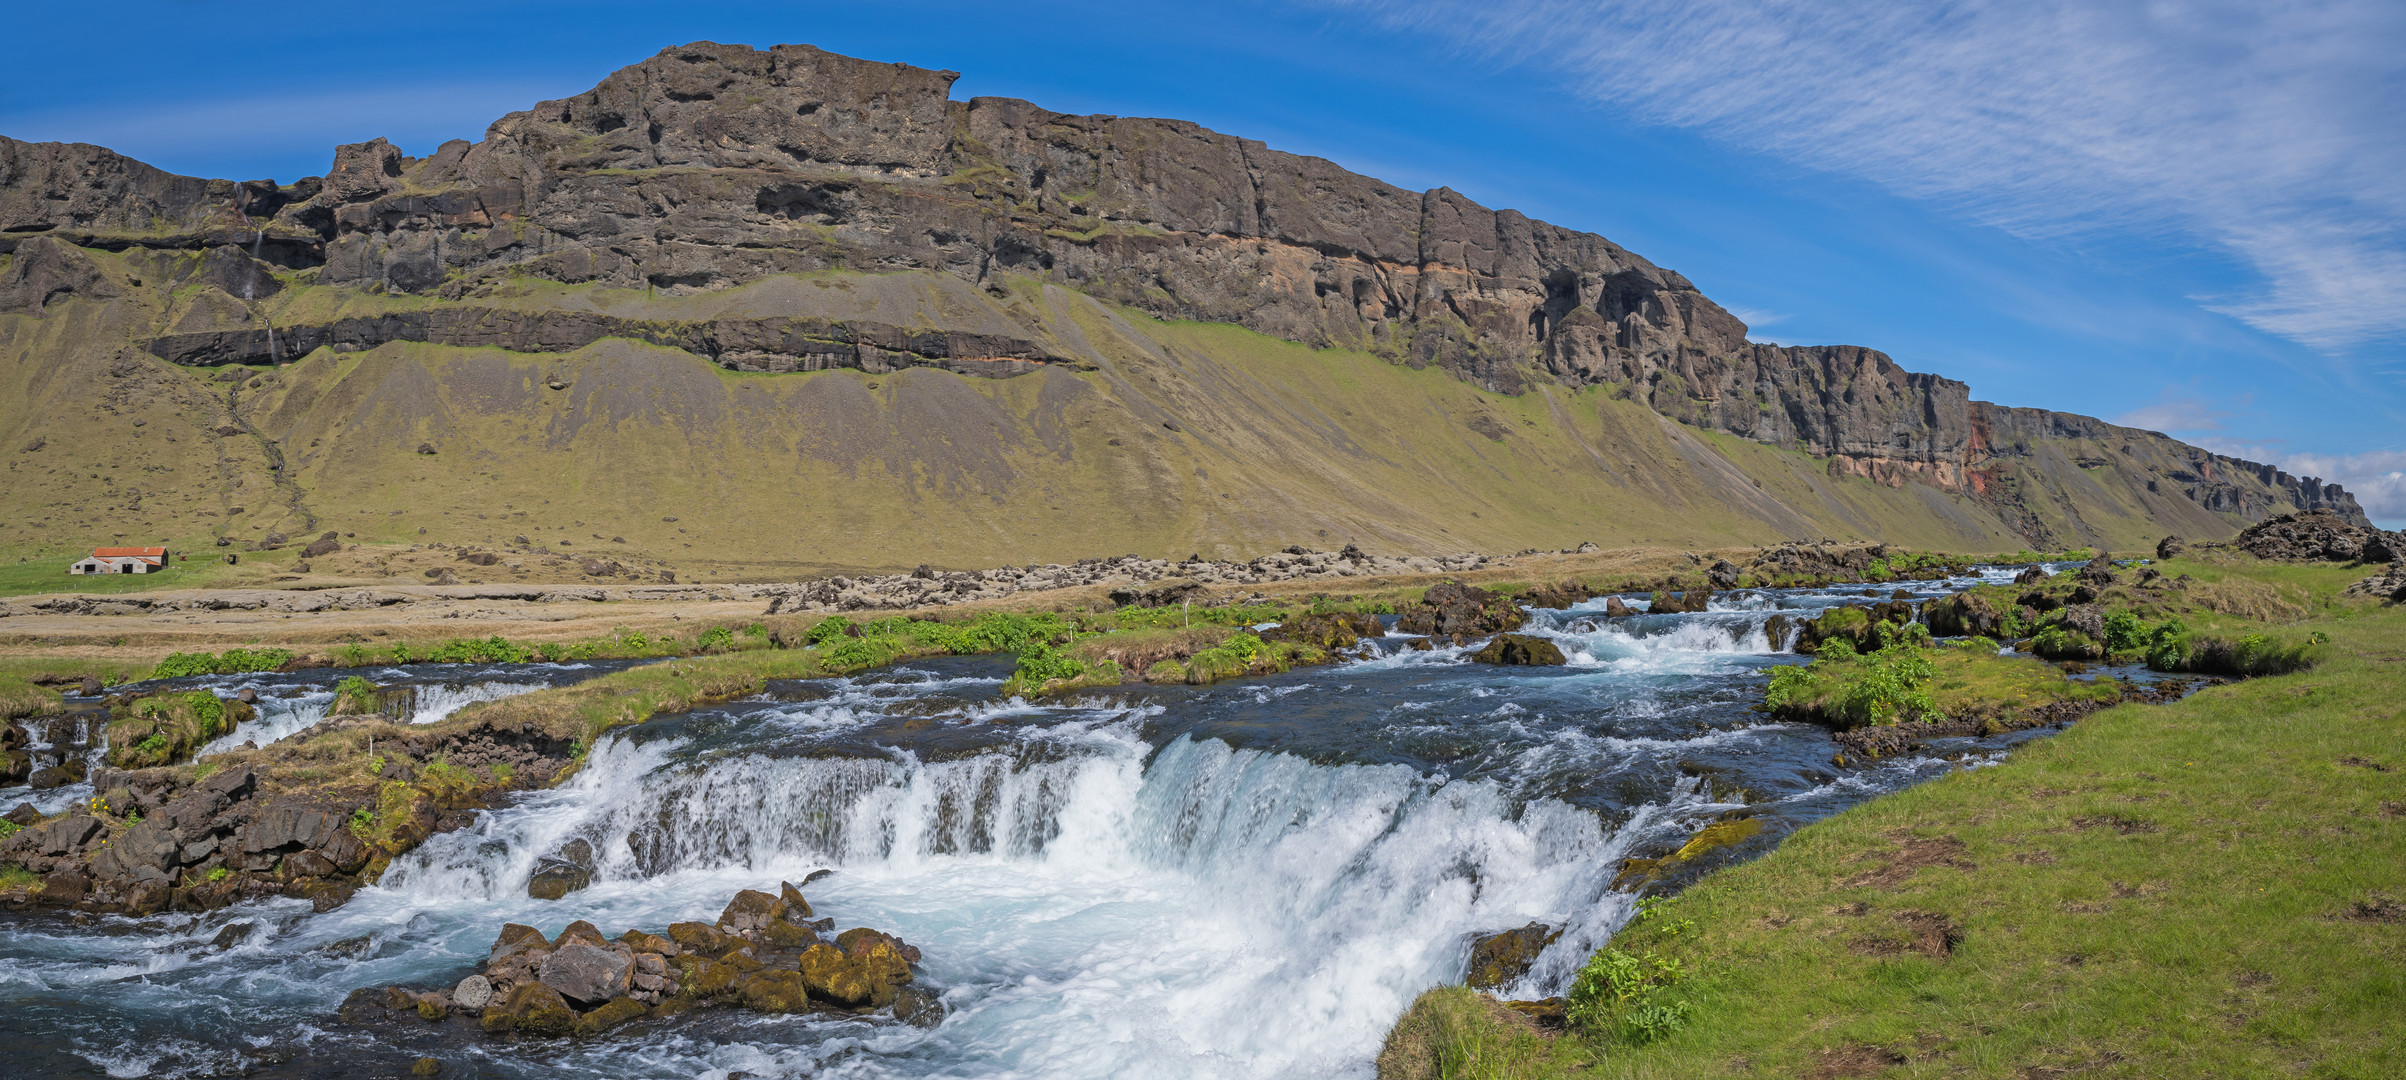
{"x": 700, "y": 937}
{"x": 1665, "y": 602}
{"x": 643, "y": 944}
{"x": 1331, "y": 632}
{"x": 1520, "y": 649}
{"x": 832, "y": 976}
{"x": 532, "y": 1007}
{"x": 581, "y": 932}
{"x": 1451, "y": 608}
{"x": 24, "y": 815}
{"x": 918, "y": 1008}
{"x": 587, "y": 973}
{"x": 1498, "y": 960}
{"x": 610, "y": 1014}
{"x": 1558, "y": 596}
{"x": 516, "y": 938}
{"x": 473, "y": 993}
{"x": 795, "y": 906}
{"x": 750, "y": 912}
{"x": 1614, "y": 608}
{"x": 553, "y": 880}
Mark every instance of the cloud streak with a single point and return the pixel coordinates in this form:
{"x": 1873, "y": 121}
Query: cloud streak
{"x": 2266, "y": 131}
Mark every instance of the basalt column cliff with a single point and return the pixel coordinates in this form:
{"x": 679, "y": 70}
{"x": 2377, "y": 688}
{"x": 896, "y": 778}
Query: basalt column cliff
{"x": 783, "y": 294}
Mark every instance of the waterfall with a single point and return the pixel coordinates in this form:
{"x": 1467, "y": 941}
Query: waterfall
{"x": 1250, "y": 912}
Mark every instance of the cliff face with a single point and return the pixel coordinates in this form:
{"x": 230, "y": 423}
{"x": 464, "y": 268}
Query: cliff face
{"x": 711, "y": 167}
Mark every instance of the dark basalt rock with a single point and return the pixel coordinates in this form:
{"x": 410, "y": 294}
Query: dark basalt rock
{"x": 2319, "y": 536}
{"x": 1332, "y": 632}
{"x": 760, "y": 958}
{"x": 1675, "y": 603}
{"x": 1453, "y": 609}
{"x": 1558, "y": 596}
{"x": 1498, "y": 960}
{"x": 1520, "y": 649}
{"x": 562, "y": 872}
{"x": 587, "y": 973}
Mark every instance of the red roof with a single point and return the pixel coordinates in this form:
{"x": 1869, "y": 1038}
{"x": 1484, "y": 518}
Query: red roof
{"x": 129, "y": 553}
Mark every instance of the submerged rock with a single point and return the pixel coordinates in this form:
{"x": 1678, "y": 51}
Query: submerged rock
{"x": 562, "y": 872}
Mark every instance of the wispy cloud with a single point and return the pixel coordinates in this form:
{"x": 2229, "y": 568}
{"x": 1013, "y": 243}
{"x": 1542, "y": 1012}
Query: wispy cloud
{"x": 2176, "y": 410}
{"x": 2378, "y": 479}
{"x": 2267, "y": 130}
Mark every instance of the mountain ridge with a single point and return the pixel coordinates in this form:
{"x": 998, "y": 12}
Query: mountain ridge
{"x": 667, "y": 204}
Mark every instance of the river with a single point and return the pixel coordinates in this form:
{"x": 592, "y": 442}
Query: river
{"x": 1250, "y": 879}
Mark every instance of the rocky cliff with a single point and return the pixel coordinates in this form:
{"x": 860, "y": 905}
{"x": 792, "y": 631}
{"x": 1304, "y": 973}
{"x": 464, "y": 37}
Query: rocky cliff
{"x": 710, "y": 172}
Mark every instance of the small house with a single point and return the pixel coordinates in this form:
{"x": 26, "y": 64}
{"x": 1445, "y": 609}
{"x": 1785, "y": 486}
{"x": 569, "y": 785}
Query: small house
{"x": 122, "y": 560}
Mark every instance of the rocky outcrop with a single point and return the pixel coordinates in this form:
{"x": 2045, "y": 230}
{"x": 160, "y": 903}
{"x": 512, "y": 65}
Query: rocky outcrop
{"x": 2320, "y": 536}
{"x": 193, "y": 838}
{"x": 764, "y": 953}
{"x": 45, "y": 270}
{"x": 739, "y": 344}
{"x": 1451, "y": 609}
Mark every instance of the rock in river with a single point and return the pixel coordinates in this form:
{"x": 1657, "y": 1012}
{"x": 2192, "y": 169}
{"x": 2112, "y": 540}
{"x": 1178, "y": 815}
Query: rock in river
{"x": 588, "y": 973}
{"x": 1520, "y": 649}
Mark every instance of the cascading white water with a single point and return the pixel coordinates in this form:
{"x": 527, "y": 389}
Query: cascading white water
{"x": 1216, "y": 912}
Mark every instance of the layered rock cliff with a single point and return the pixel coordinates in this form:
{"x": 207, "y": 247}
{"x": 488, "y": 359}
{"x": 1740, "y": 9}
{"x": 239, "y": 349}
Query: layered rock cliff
{"x": 709, "y": 168}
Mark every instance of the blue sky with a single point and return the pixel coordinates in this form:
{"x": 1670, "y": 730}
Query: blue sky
{"x": 2182, "y": 216}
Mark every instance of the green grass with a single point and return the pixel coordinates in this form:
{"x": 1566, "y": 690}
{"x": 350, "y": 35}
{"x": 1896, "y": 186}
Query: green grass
{"x": 20, "y": 699}
{"x": 2193, "y": 889}
{"x": 1906, "y": 683}
{"x": 47, "y": 573}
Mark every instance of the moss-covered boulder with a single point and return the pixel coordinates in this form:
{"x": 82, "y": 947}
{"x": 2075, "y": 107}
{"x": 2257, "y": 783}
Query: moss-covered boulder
{"x": 1330, "y": 632}
{"x": 1979, "y": 612}
{"x": 1520, "y": 649}
{"x": 1498, "y": 960}
{"x": 757, "y": 957}
{"x": 1665, "y": 602}
{"x": 1452, "y": 609}
{"x": 1857, "y": 625}
{"x": 164, "y": 729}
{"x": 533, "y": 1008}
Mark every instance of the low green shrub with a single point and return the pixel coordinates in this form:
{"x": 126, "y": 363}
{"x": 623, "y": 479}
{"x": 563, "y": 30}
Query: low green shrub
{"x": 491, "y": 650}
{"x": 231, "y": 662}
{"x": 1847, "y": 690}
{"x": 2251, "y": 655}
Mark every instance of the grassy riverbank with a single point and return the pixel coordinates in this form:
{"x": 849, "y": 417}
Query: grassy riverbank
{"x": 2215, "y": 887}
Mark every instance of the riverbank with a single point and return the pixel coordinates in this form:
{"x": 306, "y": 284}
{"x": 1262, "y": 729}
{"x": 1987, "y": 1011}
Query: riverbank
{"x": 2211, "y": 887}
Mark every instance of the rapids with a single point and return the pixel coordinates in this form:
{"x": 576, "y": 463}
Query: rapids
{"x": 1243, "y": 880}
